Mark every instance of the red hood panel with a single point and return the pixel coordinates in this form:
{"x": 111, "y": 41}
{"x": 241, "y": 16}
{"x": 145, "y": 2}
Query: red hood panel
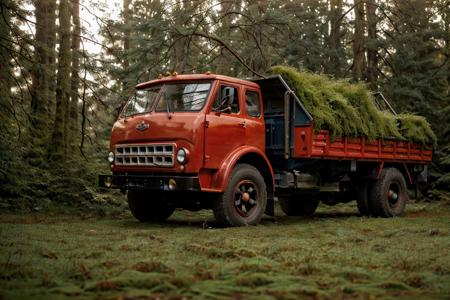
{"x": 184, "y": 129}
{"x": 181, "y": 127}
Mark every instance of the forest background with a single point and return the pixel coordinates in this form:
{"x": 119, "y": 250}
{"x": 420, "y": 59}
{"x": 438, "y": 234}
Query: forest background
{"x": 59, "y": 98}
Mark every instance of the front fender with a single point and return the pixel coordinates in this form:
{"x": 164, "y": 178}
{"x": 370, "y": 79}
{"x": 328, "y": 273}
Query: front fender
{"x": 220, "y": 178}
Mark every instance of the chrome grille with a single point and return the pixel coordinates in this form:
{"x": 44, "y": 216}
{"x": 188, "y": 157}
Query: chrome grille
{"x": 158, "y": 155}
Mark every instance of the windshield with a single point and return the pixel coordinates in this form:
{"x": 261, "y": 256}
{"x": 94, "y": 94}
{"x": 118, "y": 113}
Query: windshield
{"x": 183, "y": 97}
{"x": 172, "y": 97}
{"x": 142, "y": 101}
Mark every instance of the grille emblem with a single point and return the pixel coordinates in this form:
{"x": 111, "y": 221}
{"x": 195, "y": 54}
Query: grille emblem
{"x": 142, "y": 126}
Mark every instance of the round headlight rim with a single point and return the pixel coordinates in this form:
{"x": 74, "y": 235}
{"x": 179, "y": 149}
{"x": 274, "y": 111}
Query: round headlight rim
{"x": 185, "y": 156}
{"x": 111, "y": 157}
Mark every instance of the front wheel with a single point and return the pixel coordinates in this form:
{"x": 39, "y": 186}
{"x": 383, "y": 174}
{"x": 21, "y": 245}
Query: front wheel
{"x": 149, "y": 206}
{"x": 244, "y": 200}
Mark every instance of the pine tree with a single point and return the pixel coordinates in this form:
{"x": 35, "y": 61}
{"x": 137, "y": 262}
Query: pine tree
{"x": 371, "y": 44}
{"x": 359, "y": 58}
{"x": 180, "y": 44}
{"x": 335, "y": 53}
{"x": 41, "y": 77}
{"x": 5, "y": 67}
{"x": 51, "y": 63}
{"x": 127, "y": 21}
{"x": 224, "y": 31}
{"x": 443, "y": 152}
{"x": 418, "y": 78}
{"x": 75, "y": 80}
{"x": 59, "y": 140}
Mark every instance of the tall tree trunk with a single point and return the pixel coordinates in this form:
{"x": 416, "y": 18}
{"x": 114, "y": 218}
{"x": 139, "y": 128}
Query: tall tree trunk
{"x": 446, "y": 14}
{"x": 51, "y": 62}
{"x": 75, "y": 80}
{"x": 5, "y": 67}
{"x": 40, "y": 81}
{"x": 127, "y": 16}
{"x": 180, "y": 54}
{"x": 224, "y": 31}
{"x": 57, "y": 146}
{"x": 372, "y": 52}
{"x": 359, "y": 59}
{"x": 334, "y": 40}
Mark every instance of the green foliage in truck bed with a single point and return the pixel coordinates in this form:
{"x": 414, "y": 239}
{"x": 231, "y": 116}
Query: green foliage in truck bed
{"x": 348, "y": 109}
{"x": 416, "y": 128}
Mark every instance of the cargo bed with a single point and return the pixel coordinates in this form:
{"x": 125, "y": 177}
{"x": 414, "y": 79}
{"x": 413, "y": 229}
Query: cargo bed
{"x": 322, "y": 145}
{"x": 290, "y": 133}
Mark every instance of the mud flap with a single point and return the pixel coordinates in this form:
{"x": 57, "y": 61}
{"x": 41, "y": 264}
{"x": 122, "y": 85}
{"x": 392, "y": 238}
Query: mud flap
{"x": 270, "y": 206}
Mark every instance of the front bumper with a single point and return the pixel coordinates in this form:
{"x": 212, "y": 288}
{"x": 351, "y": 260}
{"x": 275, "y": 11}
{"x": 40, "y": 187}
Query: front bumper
{"x": 149, "y": 182}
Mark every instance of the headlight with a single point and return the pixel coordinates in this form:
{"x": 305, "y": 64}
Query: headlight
{"x": 111, "y": 157}
{"x": 182, "y": 156}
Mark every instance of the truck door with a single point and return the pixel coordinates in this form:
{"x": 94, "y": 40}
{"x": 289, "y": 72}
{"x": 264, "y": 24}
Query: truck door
{"x": 254, "y": 119}
{"x": 225, "y": 125}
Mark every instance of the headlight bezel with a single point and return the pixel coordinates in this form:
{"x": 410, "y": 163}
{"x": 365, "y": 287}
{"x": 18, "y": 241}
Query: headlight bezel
{"x": 182, "y": 156}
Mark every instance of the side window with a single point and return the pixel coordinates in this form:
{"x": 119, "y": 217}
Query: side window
{"x": 252, "y": 104}
{"x": 227, "y": 96}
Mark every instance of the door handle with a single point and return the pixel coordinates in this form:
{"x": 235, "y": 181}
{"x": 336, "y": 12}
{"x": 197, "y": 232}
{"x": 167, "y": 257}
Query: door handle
{"x": 243, "y": 124}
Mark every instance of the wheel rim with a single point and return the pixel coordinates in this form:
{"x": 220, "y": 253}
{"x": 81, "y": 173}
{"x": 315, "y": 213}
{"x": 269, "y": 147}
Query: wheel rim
{"x": 393, "y": 194}
{"x": 246, "y": 197}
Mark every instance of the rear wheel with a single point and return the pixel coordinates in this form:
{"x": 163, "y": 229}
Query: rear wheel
{"x": 244, "y": 200}
{"x": 389, "y": 194}
{"x": 148, "y": 206}
{"x": 363, "y": 198}
{"x": 293, "y": 205}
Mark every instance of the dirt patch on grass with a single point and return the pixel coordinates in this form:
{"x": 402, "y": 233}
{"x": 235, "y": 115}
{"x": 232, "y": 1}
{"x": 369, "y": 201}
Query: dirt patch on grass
{"x": 152, "y": 266}
{"x": 214, "y": 252}
{"x": 425, "y": 214}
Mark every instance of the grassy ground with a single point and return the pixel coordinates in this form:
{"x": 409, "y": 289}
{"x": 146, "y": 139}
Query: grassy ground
{"x": 335, "y": 254}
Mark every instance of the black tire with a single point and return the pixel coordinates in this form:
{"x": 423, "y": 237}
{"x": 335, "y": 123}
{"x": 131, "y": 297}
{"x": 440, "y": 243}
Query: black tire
{"x": 244, "y": 200}
{"x": 389, "y": 194}
{"x": 363, "y": 198}
{"x": 293, "y": 205}
{"x": 149, "y": 206}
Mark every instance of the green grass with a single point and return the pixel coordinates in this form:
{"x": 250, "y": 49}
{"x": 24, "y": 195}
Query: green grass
{"x": 335, "y": 254}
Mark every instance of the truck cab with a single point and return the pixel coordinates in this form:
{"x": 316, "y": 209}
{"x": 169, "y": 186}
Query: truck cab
{"x": 207, "y": 141}
{"x": 178, "y": 139}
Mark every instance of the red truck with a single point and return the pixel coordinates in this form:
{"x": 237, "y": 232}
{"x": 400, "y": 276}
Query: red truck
{"x": 206, "y": 141}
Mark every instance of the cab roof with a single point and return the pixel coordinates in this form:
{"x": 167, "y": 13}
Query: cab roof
{"x": 196, "y": 77}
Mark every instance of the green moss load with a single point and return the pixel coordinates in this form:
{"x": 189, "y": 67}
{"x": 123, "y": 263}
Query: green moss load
{"x": 348, "y": 109}
{"x": 416, "y": 128}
